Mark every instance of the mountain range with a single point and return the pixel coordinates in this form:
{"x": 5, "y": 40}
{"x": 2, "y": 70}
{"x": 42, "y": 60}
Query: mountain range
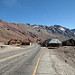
{"x": 22, "y": 31}
{"x": 73, "y": 30}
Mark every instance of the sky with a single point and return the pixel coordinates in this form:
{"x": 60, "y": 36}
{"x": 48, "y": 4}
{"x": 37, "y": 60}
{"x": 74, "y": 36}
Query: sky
{"x": 39, "y": 12}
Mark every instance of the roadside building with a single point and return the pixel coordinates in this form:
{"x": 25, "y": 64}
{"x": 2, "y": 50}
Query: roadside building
{"x": 12, "y": 42}
{"x": 52, "y": 43}
{"x": 26, "y": 42}
{"x": 69, "y": 42}
{"x": 18, "y": 42}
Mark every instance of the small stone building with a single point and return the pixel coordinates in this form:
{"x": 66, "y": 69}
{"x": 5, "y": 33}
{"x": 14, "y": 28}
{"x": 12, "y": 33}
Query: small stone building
{"x": 14, "y": 42}
{"x": 18, "y": 42}
{"x": 26, "y": 42}
{"x": 69, "y": 42}
{"x": 53, "y": 43}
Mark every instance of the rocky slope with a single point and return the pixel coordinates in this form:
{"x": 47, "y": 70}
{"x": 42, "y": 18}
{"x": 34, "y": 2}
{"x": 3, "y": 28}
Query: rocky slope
{"x": 57, "y": 30}
{"x": 73, "y": 30}
{"x": 22, "y": 31}
{"x": 13, "y": 30}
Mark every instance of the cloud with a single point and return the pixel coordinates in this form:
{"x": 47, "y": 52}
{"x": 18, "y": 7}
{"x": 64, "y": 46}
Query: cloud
{"x": 10, "y": 2}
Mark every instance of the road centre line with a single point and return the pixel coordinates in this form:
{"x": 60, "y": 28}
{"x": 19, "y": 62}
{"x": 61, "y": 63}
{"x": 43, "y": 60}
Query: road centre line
{"x": 34, "y": 72}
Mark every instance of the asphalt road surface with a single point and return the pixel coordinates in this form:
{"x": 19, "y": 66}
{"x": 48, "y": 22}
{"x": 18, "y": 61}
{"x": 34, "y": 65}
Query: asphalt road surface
{"x": 12, "y": 60}
{"x": 34, "y": 61}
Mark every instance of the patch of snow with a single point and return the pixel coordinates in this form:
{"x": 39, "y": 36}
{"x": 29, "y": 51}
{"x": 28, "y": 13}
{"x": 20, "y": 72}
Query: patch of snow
{"x": 35, "y": 26}
{"x": 62, "y": 29}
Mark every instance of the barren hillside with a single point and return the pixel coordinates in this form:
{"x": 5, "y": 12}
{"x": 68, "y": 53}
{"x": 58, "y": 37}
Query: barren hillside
{"x": 22, "y": 31}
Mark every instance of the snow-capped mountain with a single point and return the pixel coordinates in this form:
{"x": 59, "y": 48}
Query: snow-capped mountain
{"x": 73, "y": 30}
{"x": 56, "y": 29}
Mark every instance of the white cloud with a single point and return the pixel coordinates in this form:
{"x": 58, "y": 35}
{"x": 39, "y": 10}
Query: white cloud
{"x": 10, "y": 2}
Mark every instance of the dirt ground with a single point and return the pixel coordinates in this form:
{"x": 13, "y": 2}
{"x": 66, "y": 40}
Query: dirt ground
{"x": 67, "y": 54}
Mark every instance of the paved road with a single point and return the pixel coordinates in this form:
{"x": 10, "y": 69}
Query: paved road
{"x": 14, "y": 59}
{"x": 35, "y": 61}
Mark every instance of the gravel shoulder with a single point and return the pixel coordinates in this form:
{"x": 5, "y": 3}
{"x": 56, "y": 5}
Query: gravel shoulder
{"x": 59, "y": 61}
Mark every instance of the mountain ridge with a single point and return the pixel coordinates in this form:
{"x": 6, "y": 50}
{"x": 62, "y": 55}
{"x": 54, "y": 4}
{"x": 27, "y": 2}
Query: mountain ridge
{"x": 73, "y": 30}
{"x": 22, "y": 31}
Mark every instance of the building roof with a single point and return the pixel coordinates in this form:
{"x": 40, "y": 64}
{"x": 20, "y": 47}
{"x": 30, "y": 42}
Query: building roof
{"x": 69, "y": 39}
{"x": 26, "y": 40}
{"x": 18, "y": 41}
{"x": 53, "y": 41}
{"x": 12, "y": 40}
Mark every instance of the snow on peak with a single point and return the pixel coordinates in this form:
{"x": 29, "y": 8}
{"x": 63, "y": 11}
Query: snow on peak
{"x": 35, "y": 26}
{"x": 62, "y": 29}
